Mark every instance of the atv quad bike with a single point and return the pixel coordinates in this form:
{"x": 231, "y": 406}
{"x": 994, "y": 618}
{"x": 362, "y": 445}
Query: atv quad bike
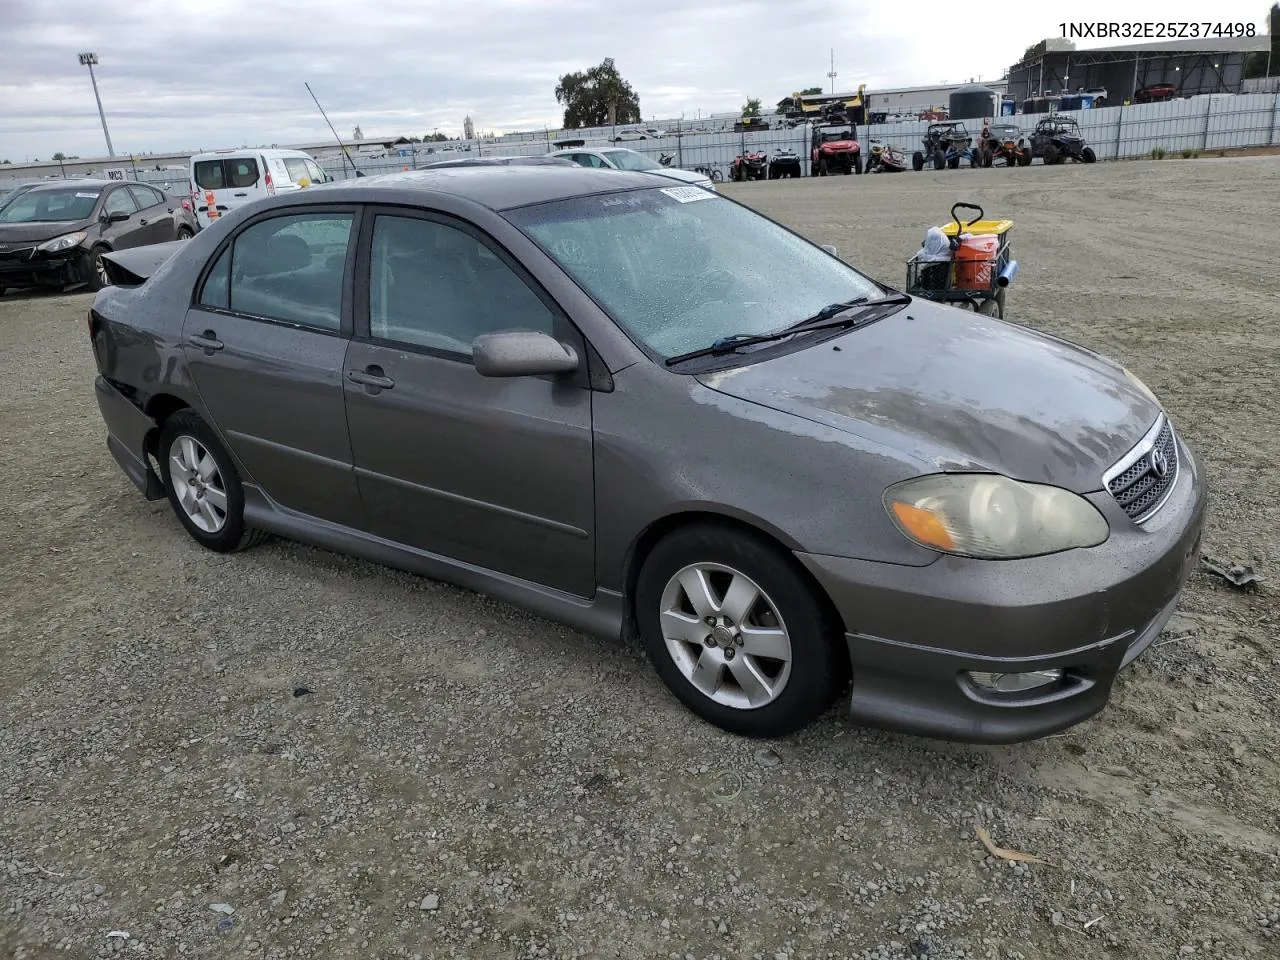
{"x": 752, "y": 165}
{"x": 1003, "y": 141}
{"x": 1057, "y": 138}
{"x": 784, "y": 163}
{"x": 834, "y": 148}
{"x": 886, "y": 158}
{"x": 945, "y": 145}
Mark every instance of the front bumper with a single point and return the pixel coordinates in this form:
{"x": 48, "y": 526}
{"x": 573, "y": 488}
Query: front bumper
{"x": 27, "y": 269}
{"x": 913, "y": 633}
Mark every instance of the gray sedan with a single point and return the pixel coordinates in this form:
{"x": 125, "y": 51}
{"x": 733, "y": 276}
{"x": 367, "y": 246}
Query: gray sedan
{"x": 638, "y": 406}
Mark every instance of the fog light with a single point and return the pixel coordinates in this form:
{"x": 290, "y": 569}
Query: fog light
{"x": 1014, "y": 682}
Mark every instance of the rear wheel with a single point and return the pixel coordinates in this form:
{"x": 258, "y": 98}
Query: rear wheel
{"x": 202, "y": 485}
{"x": 1051, "y": 155}
{"x": 737, "y": 632}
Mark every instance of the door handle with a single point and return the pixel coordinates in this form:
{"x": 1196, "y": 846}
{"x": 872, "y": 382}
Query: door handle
{"x": 371, "y": 376}
{"x": 142, "y": 223}
{"x": 207, "y": 341}
{"x": 241, "y": 194}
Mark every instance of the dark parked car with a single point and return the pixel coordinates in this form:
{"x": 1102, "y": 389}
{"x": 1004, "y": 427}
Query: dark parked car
{"x": 1058, "y": 139}
{"x": 632, "y": 404}
{"x": 538, "y": 161}
{"x": 55, "y": 234}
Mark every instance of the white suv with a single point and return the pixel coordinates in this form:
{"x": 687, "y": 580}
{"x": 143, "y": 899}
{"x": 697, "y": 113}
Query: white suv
{"x": 226, "y": 179}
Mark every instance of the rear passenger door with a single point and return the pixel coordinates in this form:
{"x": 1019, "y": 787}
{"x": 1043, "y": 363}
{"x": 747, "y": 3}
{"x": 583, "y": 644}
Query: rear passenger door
{"x": 265, "y": 344}
{"x": 155, "y": 213}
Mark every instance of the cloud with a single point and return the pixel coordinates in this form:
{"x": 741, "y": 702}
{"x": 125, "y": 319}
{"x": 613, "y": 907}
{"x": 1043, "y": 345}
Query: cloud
{"x": 183, "y": 74}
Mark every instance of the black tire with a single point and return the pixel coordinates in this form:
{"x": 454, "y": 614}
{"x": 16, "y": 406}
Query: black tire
{"x": 1051, "y": 155}
{"x": 857, "y": 164}
{"x": 939, "y": 160}
{"x": 185, "y": 233}
{"x": 917, "y": 161}
{"x": 818, "y": 665}
{"x": 954, "y": 162}
{"x": 1088, "y": 156}
{"x": 233, "y": 534}
{"x": 94, "y": 270}
{"x": 717, "y": 176}
{"x": 823, "y": 168}
{"x": 1024, "y": 160}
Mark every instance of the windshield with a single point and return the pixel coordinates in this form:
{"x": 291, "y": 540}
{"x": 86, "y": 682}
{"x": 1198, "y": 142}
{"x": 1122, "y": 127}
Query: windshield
{"x": 630, "y": 160}
{"x": 680, "y": 267}
{"x": 51, "y": 206}
{"x": 830, "y": 135}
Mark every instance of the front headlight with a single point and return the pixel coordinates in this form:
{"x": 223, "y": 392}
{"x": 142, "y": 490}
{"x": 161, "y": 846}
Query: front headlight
{"x": 992, "y": 517}
{"x": 64, "y": 242}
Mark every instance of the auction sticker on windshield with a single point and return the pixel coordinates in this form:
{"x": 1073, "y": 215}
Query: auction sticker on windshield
{"x": 688, "y": 194}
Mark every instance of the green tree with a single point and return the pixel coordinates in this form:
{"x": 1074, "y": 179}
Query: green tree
{"x": 810, "y": 91}
{"x": 434, "y": 138}
{"x": 1255, "y": 65}
{"x": 597, "y": 97}
{"x": 751, "y": 108}
{"x": 59, "y": 155}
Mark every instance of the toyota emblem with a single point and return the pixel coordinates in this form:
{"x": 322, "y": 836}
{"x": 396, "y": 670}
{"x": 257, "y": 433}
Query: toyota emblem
{"x": 1159, "y": 463}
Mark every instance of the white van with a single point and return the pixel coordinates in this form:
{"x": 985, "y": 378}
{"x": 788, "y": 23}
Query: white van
{"x": 226, "y": 179}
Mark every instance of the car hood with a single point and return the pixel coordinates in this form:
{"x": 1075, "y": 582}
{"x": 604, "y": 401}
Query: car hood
{"x": 39, "y": 230}
{"x": 960, "y": 391}
{"x": 685, "y": 176}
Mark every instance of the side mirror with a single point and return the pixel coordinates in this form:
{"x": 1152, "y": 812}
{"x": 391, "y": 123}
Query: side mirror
{"x": 521, "y": 353}
{"x": 831, "y": 249}
{"x": 118, "y": 217}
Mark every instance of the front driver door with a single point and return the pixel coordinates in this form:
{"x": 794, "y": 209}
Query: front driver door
{"x": 492, "y": 472}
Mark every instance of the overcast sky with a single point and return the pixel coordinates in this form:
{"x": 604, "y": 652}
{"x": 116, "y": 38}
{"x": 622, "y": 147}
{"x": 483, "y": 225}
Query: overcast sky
{"x": 180, "y": 74}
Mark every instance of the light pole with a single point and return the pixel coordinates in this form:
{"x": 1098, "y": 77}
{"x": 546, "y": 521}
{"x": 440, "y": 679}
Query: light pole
{"x": 832, "y": 74}
{"x": 88, "y": 60}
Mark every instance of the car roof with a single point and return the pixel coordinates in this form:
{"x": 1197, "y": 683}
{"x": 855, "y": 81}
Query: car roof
{"x": 78, "y": 184}
{"x": 498, "y": 187}
{"x": 249, "y": 152}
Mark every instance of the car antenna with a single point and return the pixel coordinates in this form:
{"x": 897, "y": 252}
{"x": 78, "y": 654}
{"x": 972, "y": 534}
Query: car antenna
{"x": 341, "y": 145}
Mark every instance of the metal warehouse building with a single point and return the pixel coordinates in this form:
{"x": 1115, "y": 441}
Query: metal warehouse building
{"x": 1205, "y": 65}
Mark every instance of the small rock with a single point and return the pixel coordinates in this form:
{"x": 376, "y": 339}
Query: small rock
{"x": 277, "y": 898}
{"x": 430, "y": 902}
{"x": 767, "y": 757}
{"x": 1057, "y": 918}
{"x": 222, "y": 908}
{"x": 723, "y": 928}
{"x": 1187, "y": 949}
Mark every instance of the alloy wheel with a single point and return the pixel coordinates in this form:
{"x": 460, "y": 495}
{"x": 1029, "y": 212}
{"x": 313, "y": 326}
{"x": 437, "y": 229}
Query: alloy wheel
{"x": 198, "y": 484}
{"x": 726, "y": 636}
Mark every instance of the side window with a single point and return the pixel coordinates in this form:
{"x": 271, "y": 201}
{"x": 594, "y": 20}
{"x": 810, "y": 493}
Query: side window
{"x": 217, "y": 285}
{"x": 291, "y": 269}
{"x": 581, "y": 159}
{"x": 120, "y": 200}
{"x": 436, "y": 286}
{"x": 145, "y": 196}
{"x": 316, "y": 174}
{"x": 242, "y": 172}
{"x": 297, "y": 169}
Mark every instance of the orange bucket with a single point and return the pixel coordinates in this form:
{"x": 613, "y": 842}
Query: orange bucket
{"x": 975, "y": 259}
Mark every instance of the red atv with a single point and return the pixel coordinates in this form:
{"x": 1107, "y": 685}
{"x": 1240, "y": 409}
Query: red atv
{"x": 753, "y": 165}
{"x": 835, "y": 149}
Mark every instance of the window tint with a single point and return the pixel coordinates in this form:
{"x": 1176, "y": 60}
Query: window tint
{"x": 435, "y": 286}
{"x": 217, "y": 285}
{"x": 209, "y": 175}
{"x": 242, "y": 173}
{"x": 119, "y": 201}
{"x": 291, "y": 269}
{"x": 145, "y": 196}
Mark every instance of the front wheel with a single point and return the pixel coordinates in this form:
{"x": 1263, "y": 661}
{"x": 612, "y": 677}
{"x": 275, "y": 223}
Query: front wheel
{"x": 857, "y": 165}
{"x": 1088, "y": 156}
{"x": 202, "y": 485}
{"x": 917, "y": 161}
{"x": 953, "y": 162}
{"x": 96, "y": 269}
{"x": 717, "y": 176}
{"x": 737, "y": 633}
{"x": 939, "y": 160}
{"x": 185, "y": 233}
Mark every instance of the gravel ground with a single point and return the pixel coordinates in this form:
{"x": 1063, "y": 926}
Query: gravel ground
{"x": 287, "y": 753}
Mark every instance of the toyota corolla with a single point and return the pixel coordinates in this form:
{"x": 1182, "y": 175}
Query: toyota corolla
{"x": 633, "y": 405}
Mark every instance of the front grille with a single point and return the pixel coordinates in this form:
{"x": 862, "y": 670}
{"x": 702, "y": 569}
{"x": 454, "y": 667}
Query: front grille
{"x": 22, "y": 254}
{"x": 1142, "y": 487}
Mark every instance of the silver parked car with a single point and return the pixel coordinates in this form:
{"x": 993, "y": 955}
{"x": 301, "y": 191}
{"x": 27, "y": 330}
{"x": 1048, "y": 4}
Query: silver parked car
{"x": 635, "y": 405}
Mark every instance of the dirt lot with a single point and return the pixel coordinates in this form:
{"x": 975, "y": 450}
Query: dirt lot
{"x": 465, "y": 780}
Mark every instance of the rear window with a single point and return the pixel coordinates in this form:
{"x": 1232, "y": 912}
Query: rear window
{"x": 239, "y": 173}
{"x": 297, "y": 169}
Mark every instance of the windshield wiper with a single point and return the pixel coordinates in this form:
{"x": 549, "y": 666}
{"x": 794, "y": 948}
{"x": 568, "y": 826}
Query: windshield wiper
{"x": 825, "y": 319}
{"x": 860, "y": 303}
